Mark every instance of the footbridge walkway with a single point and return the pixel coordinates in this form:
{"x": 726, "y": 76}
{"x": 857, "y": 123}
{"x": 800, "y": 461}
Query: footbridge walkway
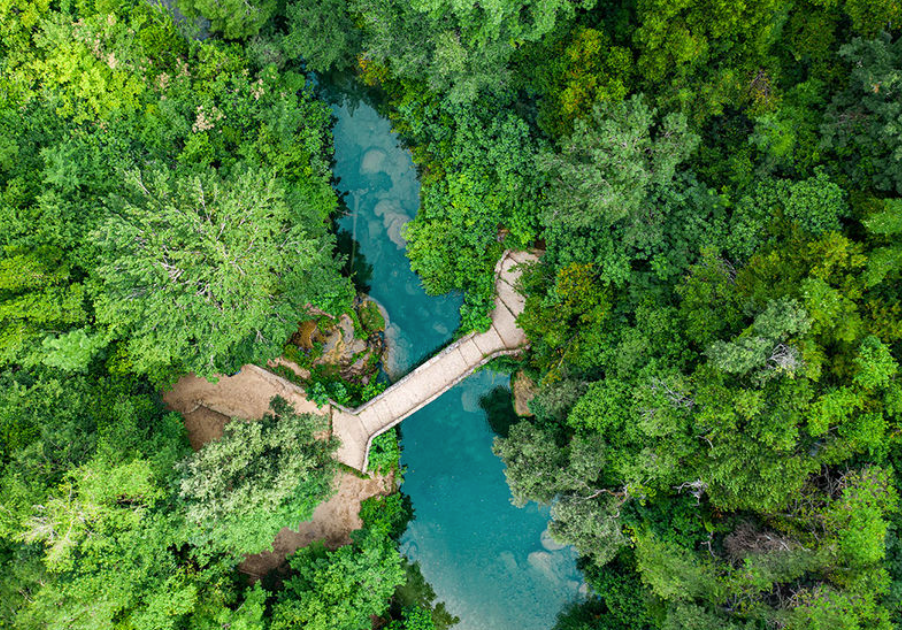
{"x": 356, "y": 428}
{"x": 208, "y": 406}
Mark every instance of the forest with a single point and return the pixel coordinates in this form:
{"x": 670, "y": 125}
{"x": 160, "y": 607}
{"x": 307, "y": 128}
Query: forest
{"x": 715, "y": 322}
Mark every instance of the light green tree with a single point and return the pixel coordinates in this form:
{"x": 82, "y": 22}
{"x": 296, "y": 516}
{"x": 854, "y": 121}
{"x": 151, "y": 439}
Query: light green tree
{"x": 261, "y": 476}
{"x": 338, "y": 590}
{"x": 206, "y": 273}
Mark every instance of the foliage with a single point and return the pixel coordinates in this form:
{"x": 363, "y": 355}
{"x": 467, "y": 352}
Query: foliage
{"x": 261, "y": 476}
{"x": 322, "y": 33}
{"x": 206, "y": 274}
{"x": 458, "y": 48}
{"x": 479, "y": 197}
{"x": 235, "y": 20}
{"x": 863, "y": 120}
{"x": 338, "y": 590}
{"x": 151, "y": 118}
{"x": 604, "y": 197}
{"x": 385, "y": 453}
{"x": 715, "y": 325}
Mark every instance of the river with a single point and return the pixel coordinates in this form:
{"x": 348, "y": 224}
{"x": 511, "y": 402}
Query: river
{"x": 491, "y": 563}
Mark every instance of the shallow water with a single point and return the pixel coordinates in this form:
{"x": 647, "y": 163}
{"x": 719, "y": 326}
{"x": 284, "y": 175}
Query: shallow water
{"x": 484, "y": 557}
{"x": 381, "y": 191}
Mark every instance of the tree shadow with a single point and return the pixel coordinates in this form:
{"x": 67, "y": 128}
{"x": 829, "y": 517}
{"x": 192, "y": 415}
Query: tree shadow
{"x": 354, "y": 264}
{"x": 498, "y": 405}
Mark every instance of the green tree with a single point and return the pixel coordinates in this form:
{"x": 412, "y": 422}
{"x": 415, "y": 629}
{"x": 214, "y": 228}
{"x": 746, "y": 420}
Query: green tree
{"x": 37, "y": 298}
{"x": 338, "y": 590}
{"x": 585, "y": 513}
{"x": 862, "y": 124}
{"x": 603, "y": 203}
{"x": 261, "y": 476}
{"x": 234, "y": 19}
{"x": 459, "y": 48}
{"x": 322, "y": 32}
{"x": 207, "y": 274}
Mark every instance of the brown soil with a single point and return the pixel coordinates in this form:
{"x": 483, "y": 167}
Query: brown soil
{"x": 244, "y": 395}
{"x": 306, "y": 335}
{"x": 302, "y": 373}
{"x": 203, "y": 425}
{"x": 332, "y": 523}
{"x": 525, "y": 390}
{"x": 207, "y": 407}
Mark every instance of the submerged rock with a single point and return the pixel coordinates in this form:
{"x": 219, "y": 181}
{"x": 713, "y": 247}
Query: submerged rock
{"x": 550, "y": 543}
{"x": 373, "y": 162}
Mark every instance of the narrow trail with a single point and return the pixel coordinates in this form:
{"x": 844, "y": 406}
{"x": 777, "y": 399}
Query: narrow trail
{"x": 207, "y": 406}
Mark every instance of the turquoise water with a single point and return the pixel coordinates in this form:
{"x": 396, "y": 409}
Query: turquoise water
{"x": 485, "y": 558}
{"x": 381, "y": 190}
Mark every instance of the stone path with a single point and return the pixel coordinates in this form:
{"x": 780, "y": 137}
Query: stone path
{"x": 356, "y": 428}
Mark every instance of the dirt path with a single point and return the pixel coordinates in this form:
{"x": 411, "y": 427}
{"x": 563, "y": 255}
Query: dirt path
{"x": 332, "y": 523}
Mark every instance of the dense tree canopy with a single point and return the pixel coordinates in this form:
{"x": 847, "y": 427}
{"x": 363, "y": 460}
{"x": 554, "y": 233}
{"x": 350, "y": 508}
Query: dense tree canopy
{"x": 154, "y": 126}
{"x": 715, "y": 324}
{"x": 240, "y": 490}
{"x": 214, "y": 271}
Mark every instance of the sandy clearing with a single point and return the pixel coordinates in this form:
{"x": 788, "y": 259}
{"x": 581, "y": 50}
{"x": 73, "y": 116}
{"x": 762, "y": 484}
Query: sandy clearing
{"x": 207, "y": 407}
{"x": 244, "y": 395}
{"x": 332, "y": 523}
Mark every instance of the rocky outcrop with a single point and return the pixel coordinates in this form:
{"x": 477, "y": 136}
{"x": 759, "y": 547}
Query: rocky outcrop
{"x": 352, "y": 344}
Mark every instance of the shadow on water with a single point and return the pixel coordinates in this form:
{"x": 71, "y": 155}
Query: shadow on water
{"x": 498, "y": 404}
{"x": 417, "y": 592}
{"x": 354, "y": 263}
{"x": 343, "y": 88}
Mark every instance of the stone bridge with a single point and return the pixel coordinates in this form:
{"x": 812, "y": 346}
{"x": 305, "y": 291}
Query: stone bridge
{"x": 247, "y": 394}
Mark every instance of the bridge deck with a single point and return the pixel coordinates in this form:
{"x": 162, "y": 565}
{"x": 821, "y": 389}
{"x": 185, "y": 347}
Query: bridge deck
{"x": 356, "y": 428}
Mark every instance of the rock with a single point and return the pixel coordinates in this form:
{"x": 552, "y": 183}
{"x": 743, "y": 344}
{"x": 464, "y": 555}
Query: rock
{"x": 524, "y": 389}
{"x": 543, "y": 562}
{"x": 551, "y": 565}
{"x": 356, "y": 347}
{"x": 333, "y": 348}
{"x": 509, "y": 562}
{"x": 373, "y": 162}
{"x": 359, "y": 365}
{"x": 550, "y": 543}
{"x": 386, "y": 207}
{"x": 394, "y": 225}
{"x": 346, "y": 324}
{"x": 396, "y": 352}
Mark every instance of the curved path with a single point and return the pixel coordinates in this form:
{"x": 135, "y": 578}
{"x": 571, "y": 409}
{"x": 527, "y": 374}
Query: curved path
{"x": 208, "y": 406}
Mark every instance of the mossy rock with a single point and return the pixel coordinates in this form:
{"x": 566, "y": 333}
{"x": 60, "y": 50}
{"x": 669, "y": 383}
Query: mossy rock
{"x": 371, "y": 317}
